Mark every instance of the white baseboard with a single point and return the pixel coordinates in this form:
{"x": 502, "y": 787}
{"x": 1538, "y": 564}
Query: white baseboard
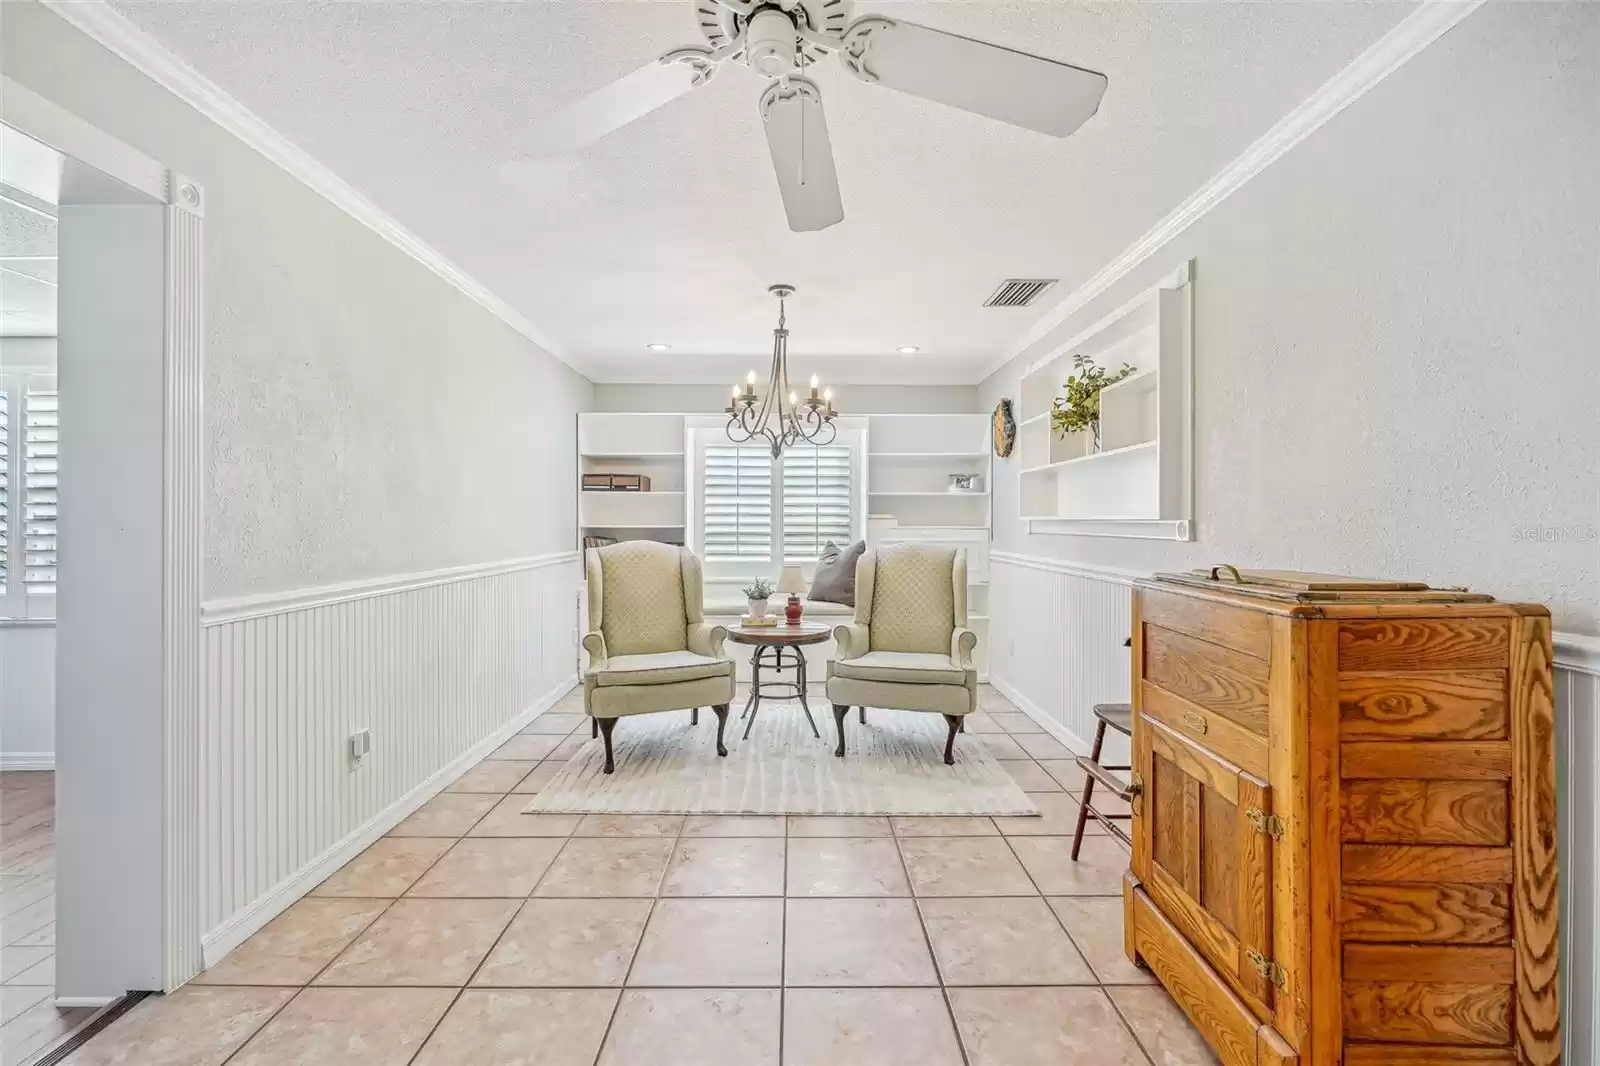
{"x": 1075, "y": 743}
{"x": 236, "y": 930}
{"x": 71, "y": 1002}
{"x": 28, "y": 760}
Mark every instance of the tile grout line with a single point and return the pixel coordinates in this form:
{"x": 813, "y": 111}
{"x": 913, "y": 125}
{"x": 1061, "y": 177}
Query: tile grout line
{"x": 927, "y": 940}
{"x": 633, "y": 958}
{"x": 783, "y": 946}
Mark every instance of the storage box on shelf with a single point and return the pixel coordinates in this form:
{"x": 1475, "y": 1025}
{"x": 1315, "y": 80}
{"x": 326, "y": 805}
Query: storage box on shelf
{"x": 1138, "y": 483}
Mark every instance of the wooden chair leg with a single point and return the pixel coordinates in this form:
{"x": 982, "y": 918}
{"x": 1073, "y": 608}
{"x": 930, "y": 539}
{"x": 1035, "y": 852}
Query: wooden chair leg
{"x": 694, "y": 716}
{"x": 1088, "y": 789}
{"x": 594, "y": 727}
{"x": 721, "y": 711}
{"x": 954, "y": 722}
{"x": 863, "y": 716}
{"x": 606, "y": 726}
{"x": 840, "y": 710}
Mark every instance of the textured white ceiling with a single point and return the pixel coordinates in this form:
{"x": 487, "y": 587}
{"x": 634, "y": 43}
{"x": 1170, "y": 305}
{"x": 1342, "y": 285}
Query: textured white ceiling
{"x": 671, "y": 229}
{"x": 27, "y": 270}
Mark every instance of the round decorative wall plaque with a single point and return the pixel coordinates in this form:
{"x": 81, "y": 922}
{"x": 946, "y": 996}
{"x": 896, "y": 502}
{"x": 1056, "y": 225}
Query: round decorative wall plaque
{"x": 1004, "y": 428}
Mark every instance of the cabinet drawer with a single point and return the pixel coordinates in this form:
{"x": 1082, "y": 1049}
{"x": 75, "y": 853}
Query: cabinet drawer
{"x": 1219, "y": 1015}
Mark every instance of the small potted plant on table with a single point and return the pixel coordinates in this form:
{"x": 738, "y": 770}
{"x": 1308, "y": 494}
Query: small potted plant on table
{"x": 757, "y": 593}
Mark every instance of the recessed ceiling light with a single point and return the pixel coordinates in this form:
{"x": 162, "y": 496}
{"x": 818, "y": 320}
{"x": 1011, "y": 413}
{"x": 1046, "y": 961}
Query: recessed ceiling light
{"x": 908, "y": 349}
{"x": 658, "y": 347}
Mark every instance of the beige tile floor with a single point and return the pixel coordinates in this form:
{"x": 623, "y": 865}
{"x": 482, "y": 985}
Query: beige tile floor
{"x": 476, "y": 935}
{"x": 30, "y": 1023}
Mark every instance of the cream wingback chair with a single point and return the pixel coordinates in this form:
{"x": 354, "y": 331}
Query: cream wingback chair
{"x": 650, "y": 648}
{"x": 909, "y": 648}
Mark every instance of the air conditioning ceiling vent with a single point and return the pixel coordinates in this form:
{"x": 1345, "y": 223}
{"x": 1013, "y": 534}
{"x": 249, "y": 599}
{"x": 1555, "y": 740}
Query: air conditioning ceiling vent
{"x": 1018, "y": 292}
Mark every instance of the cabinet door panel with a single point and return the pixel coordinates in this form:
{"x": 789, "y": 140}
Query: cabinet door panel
{"x": 1203, "y": 854}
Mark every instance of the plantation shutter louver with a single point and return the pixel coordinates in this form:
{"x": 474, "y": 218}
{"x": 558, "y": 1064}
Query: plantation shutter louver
{"x": 816, "y": 500}
{"x": 738, "y": 504}
{"x": 40, "y": 441}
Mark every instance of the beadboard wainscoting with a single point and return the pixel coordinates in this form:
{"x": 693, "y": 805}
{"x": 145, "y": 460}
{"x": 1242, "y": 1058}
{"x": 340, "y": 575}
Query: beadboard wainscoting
{"x": 441, "y": 667}
{"x": 1057, "y": 650}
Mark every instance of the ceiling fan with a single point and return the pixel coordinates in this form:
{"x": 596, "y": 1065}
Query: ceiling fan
{"x": 779, "y": 39}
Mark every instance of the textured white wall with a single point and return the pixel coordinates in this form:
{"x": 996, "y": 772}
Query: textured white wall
{"x": 849, "y": 399}
{"x": 32, "y": 353}
{"x": 28, "y": 696}
{"x": 363, "y": 417}
{"x": 1395, "y": 357}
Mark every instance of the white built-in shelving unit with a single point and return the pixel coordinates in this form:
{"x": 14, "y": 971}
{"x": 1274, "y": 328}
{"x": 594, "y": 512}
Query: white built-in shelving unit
{"x": 1139, "y": 482}
{"x": 647, "y": 444}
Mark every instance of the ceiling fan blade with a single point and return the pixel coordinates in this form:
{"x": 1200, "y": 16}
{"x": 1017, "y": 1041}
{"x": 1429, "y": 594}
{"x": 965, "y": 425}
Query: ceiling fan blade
{"x": 797, "y": 135}
{"x": 986, "y": 79}
{"x": 632, "y": 96}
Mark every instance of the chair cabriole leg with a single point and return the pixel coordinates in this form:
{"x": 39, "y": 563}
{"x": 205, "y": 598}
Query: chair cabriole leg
{"x": 840, "y": 710}
{"x": 594, "y": 727}
{"x": 954, "y": 722}
{"x": 721, "y": 711}
{"x": 694, "y": 716}
{"x": 863, "y": 716}
{"x": 606, "y": 726}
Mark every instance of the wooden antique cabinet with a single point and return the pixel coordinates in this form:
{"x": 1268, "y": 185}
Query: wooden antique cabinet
{"x": 1344, "y": 820}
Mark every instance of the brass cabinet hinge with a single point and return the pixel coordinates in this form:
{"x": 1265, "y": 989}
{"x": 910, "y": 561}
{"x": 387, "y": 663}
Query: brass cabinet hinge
{"x": 1269, "y": 970}
{"x": 1269, "y": 824}
{"x": 1136, "y": 792}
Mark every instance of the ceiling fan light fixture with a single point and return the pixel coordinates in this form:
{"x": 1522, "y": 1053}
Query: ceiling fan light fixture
{"x": 657, "y": 346}
{"x": 771, "y": 43}
{"x": 908, "y": 349}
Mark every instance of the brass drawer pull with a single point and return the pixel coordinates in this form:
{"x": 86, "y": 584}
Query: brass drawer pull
{"x": 1136, "y": 792}
{"x": 1195, "y": 721}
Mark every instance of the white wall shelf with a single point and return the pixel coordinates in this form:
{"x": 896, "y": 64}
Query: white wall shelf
{"x": 1140, "y": 481}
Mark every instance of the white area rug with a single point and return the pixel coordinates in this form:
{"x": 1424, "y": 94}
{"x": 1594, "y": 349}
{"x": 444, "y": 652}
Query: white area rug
{"x": 894, "y": 765}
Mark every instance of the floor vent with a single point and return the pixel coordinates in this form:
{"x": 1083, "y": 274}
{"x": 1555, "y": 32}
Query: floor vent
{"x": 1018, "y": 292}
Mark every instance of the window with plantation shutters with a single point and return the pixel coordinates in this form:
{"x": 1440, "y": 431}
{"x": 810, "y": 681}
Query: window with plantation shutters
{"x": 816, "y": 500}
{"x": 40, "y": 444}
{"x": 29, "y": 439}
{"x": 752, "y": 513}
{"x": 737, "y": 498}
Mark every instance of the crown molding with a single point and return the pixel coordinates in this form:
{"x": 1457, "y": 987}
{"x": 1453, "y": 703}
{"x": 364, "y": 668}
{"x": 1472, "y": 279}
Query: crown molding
{"x": 144, "y": 53}
{"x": 1392, "y": 51}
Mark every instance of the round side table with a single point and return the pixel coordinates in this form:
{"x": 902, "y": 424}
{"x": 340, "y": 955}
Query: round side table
{"x": 783, "y": 642}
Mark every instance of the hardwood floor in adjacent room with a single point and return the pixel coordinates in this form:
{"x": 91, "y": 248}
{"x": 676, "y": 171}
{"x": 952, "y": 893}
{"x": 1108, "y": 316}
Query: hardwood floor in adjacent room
{"x": 477, "y": 935}
{"x": 30, "y": 1023}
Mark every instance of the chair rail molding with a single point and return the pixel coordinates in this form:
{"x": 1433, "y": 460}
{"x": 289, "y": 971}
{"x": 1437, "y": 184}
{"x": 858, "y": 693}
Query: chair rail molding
{"x": 103, "y": 23}
{"x": 1430, "y": 21}
{"x": 238, "y": 608}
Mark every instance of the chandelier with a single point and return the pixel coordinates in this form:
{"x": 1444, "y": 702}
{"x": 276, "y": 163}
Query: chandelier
{"x": 781, "y": 419}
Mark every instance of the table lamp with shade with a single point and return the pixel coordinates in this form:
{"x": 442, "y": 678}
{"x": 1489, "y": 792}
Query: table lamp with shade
{"x": 791, "y": 581}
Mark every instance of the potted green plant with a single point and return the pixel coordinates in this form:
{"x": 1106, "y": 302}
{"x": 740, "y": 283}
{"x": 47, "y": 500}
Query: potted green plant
{"x": 1079, "y": 409}
{"x": 757, "y": 593}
